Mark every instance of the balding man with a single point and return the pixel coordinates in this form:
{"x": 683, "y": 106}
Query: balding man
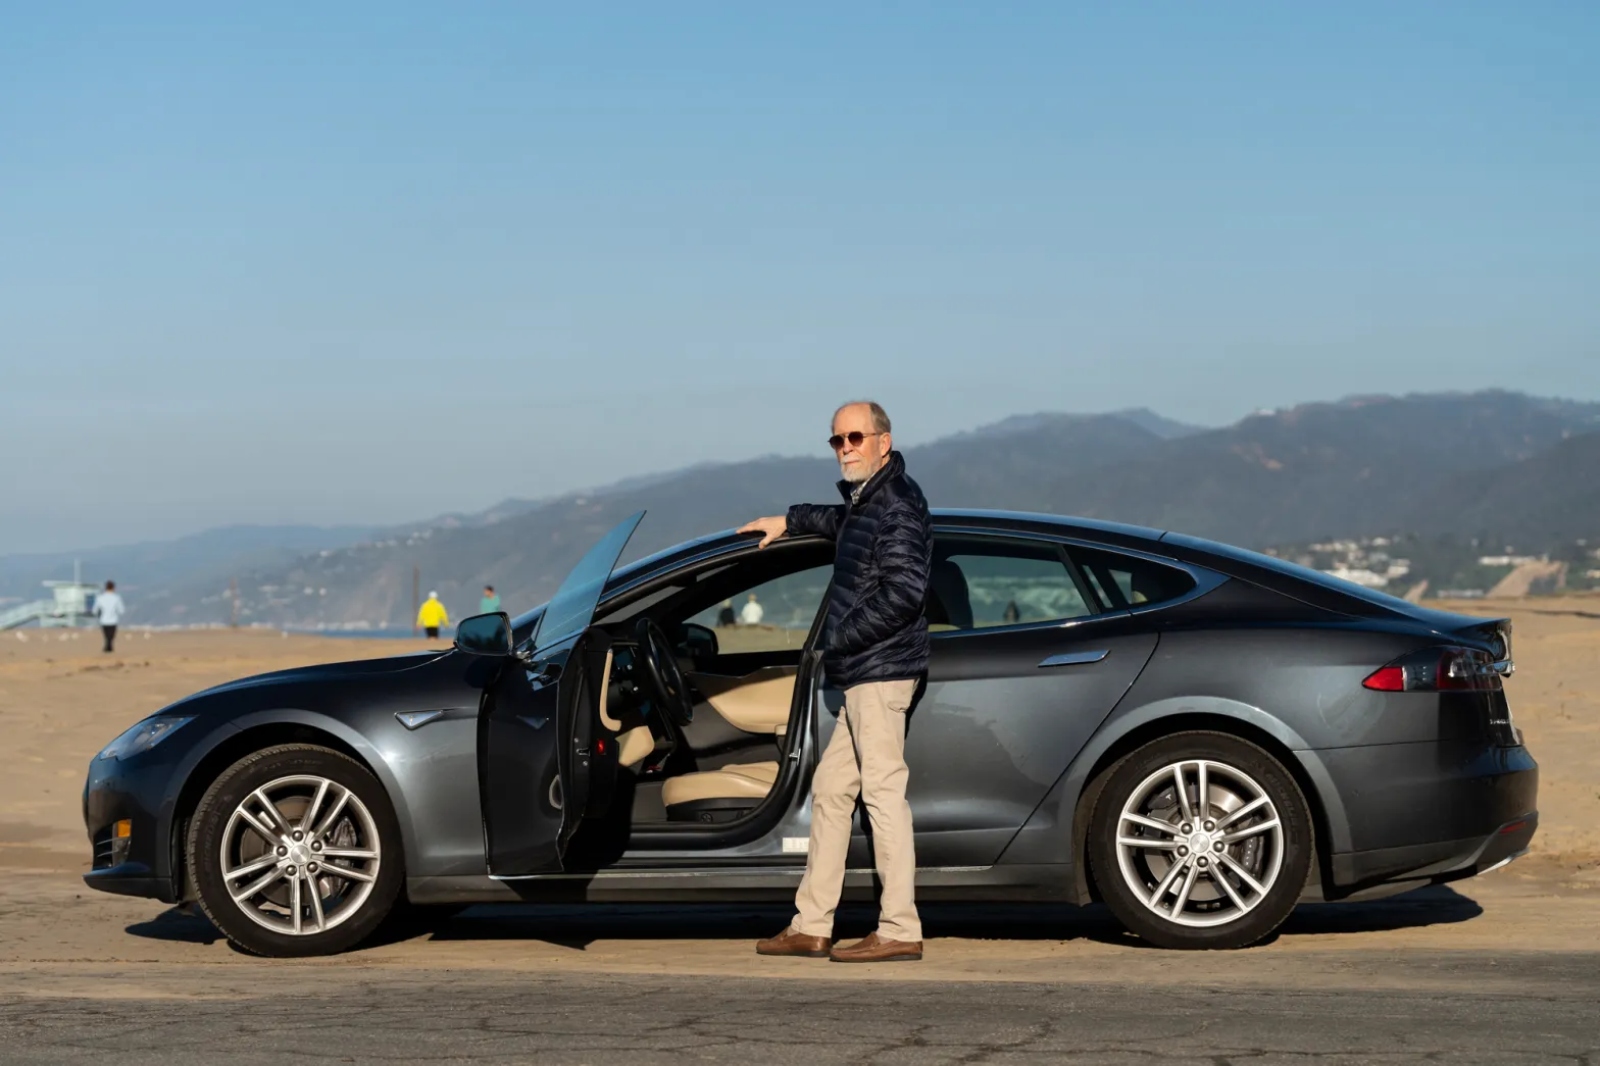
{"x": 875, "y": 648}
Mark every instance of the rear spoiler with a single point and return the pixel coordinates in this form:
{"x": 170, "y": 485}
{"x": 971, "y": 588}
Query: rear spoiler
{"x": 1497, "y": 634}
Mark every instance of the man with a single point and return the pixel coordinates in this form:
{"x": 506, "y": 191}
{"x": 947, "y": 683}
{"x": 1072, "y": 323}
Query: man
{"x": 490, "y": 602}
{"x": 875, "y": 648}
{"x": 109, "y": 608}
{"x": 431, "y": 615}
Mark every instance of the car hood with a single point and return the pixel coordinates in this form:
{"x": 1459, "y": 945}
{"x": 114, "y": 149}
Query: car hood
{"x": 322, "y": 676}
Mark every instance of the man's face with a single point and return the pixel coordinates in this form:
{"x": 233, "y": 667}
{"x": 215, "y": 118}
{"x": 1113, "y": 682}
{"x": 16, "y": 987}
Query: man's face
{"x": 858, "y": 462}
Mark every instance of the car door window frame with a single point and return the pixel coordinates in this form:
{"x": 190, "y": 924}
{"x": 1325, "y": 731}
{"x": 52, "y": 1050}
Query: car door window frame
{"x": 1089, "y": 599}
{"x": 1204, "y": 580}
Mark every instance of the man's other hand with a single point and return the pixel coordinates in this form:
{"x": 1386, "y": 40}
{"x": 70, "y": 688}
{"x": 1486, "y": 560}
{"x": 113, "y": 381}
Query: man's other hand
{"x": 770, "y": 528}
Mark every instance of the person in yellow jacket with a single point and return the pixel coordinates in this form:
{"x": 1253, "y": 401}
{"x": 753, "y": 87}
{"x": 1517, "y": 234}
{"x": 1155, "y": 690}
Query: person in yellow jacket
{"x": 432, "y": 615}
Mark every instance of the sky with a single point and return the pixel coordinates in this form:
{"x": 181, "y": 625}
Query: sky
{"x": 366, "y": 263}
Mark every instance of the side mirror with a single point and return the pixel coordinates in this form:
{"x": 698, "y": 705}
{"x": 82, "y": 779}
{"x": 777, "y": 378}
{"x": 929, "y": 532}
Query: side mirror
{"x": 699, "y": 641}
{"x": 485, "y": 634}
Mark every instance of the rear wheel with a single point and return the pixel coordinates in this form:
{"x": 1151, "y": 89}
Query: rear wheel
{"x": 1201, "y": 840}
{"x": 295, "y": 851}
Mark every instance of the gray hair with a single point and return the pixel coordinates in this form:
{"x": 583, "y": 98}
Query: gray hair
{"x": 880, "y": 417}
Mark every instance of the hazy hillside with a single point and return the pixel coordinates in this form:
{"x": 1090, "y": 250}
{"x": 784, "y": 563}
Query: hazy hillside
{"x": 1357, "y": 467}
{"x": 1319, "y": 470}
{"x": 1554, "y": 495}
{"x": 157, "y": 564}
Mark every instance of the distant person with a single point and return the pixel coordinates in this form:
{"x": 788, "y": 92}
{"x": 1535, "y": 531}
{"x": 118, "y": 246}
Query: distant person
{"x": 1013, "y": 613}
{"x": 726, "y": 617}
{"x": 752, "y": 612}
{"x": 109, "y": 608}
{"x": 432, "y": 615}
{"x": 490, "y": 602}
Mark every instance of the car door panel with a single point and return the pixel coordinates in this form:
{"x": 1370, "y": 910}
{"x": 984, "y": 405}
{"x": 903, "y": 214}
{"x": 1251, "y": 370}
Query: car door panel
{"x": 995, "y": 728}
{"x": 542, "y": 769}
{"x": 544, "y": 761}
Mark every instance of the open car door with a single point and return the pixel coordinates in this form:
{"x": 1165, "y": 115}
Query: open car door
{"x": 543, "y": 761}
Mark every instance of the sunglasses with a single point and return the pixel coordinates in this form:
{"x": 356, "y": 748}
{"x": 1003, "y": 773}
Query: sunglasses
{"x": 855, "y": 440}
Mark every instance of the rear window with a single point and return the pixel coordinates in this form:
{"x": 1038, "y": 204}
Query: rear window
{"x": 1127, "y": 581}
{"x": 1295, "y": 571}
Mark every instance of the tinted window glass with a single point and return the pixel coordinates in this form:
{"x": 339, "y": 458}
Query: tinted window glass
{"x": 775, "y": 615}
{"x": 1295, "y": 570}
{"x": 572, "y": 606}
{"x": 979, "y": 582}
{"x": 1123, "y": 581}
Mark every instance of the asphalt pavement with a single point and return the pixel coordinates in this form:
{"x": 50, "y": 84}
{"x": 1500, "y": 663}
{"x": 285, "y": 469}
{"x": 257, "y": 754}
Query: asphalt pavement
{"x": 1537, "y": 1008}
{"x": 1508, "y": 974}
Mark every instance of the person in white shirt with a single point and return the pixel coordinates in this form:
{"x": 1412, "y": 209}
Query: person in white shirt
{"x": 109, "y": 608}
{"x": 752, "y": 612}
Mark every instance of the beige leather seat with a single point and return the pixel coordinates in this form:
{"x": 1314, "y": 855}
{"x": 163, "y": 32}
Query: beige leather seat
{"x": 757, "y": 703}
{"x": 634, "y": 740}
{"x": 749, "y": 780}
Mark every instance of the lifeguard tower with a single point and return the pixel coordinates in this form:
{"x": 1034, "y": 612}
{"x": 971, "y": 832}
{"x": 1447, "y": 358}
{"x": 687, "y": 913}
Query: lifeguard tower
{"x": 68, "y": 606}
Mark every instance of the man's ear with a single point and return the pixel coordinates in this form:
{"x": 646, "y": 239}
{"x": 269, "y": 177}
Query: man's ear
{"x": 888, "y": 446}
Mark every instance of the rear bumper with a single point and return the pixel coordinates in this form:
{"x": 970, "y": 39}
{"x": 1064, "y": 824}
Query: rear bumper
{"x": 1419, "y": 813}
{"x": 1449, "y": 860}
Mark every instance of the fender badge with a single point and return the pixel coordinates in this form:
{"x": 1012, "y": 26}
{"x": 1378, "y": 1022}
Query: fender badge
{"x": 417, "y": 719}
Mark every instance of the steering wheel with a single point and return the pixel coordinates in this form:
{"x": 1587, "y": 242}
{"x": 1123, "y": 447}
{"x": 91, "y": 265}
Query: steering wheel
{"x": 667, "y": 688}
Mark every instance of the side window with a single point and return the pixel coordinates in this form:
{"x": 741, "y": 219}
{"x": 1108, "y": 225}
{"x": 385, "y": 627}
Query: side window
{"x": 1123, "y": 581}
{"x": 775, "y": 615}
{"x": 981, "y": 582}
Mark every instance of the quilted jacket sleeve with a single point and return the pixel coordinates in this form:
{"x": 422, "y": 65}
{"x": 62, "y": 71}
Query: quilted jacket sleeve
{"x": 903, "y": 548}
{"x": 815, "y": 518}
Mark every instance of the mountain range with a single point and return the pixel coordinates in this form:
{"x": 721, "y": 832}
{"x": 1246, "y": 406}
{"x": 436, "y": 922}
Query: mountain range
{"x": 1495, "y": 464}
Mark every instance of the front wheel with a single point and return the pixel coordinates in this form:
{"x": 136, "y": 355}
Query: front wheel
{"x": 1201, "y": 840}
{"x": 296, "y": 851}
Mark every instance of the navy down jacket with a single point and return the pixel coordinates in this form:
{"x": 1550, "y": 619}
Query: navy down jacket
{"x": 875, "y": 629}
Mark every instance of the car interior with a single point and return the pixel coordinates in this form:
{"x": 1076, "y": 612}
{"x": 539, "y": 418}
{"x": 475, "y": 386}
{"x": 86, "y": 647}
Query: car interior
{"x": 738, "y": 630}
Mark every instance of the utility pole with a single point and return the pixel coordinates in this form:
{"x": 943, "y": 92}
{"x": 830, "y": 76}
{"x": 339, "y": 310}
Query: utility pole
{"x": 416, "y": 596}
{"x": 233, "y": 594}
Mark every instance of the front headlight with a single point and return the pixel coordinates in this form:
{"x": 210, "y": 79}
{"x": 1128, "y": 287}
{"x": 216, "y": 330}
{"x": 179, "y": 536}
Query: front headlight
{"x": 142, "y": 737}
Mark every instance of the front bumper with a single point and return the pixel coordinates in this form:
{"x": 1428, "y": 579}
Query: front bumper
{"x": 116, "y": 790}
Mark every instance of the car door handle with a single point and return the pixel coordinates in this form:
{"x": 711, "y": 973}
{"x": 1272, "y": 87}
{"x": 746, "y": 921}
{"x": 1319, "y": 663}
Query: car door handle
{"x": 1076, "y": 658}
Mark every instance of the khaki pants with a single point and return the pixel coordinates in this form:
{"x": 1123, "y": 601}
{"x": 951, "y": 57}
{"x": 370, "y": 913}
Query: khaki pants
{"x": 866, "y": 758}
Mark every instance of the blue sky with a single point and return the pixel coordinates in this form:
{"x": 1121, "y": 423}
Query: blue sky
{"x": 366, "y": 263}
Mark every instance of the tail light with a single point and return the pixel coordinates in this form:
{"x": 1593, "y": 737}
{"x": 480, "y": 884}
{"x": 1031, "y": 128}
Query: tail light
{"x": 1437, "y": 670}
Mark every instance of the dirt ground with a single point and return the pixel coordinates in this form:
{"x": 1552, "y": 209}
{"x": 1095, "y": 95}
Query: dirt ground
{"x": 61, "y": 699}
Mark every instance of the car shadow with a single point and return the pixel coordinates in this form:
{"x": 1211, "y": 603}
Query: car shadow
{"x": 1433, "y": 905}
{"x": 577, "y": 925}
{"x": 177, "y": 925}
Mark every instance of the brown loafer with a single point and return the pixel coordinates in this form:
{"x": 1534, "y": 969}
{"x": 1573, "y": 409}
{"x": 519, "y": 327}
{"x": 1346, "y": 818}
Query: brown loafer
{"x": 790, "y": 942}
{"x": 876, "y": 949}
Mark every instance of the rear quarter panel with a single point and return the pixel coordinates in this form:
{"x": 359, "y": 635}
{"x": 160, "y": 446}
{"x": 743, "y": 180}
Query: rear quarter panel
{"x": 1299, "y": 683}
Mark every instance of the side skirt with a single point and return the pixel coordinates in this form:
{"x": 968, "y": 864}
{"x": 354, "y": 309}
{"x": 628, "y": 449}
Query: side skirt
{"x": 972, "y": 884}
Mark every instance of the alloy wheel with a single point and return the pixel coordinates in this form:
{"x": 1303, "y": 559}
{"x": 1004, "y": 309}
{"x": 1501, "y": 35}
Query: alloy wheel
{"x": 1200, "y": 843}
{"x": 300, "y": 854}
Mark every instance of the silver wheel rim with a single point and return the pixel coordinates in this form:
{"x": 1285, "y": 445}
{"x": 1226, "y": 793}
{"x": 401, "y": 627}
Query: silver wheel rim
{"x": 300, "y": 855}
{"x": 1200, "y": 843}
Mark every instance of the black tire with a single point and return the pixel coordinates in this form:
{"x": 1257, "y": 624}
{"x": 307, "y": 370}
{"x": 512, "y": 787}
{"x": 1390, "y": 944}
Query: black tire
{"x": 210, "y": 823}
{"x": 1287, "y": 850}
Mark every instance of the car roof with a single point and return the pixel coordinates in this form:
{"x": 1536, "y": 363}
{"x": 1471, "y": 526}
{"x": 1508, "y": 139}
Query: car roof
{"x": 1302, "y": 583}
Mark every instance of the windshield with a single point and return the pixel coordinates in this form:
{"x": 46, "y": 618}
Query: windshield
{"x": 572, "y": 606}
